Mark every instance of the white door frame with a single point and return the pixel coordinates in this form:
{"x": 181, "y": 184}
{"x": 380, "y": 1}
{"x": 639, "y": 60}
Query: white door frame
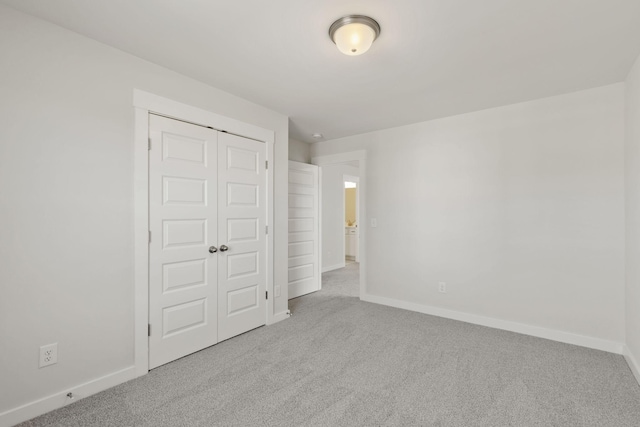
{"x": 355, "y": 179}
{"x": 145, "y": 103}
{"x": 361, "y": 157}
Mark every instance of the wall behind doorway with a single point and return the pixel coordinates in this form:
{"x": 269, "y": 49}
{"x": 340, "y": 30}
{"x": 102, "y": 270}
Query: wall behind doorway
{"x": 632, "y": 217}
{"x": 299, "y": 151}
{"x": 350, "y": 205}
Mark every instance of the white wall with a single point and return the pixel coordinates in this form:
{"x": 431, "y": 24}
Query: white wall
{"x": 66, "y": 189}
{"x": 333, "y": 214}
{"x": 632, "y": 182}
{"x": 519, "y": 209}
{"x": 299, "y": 151}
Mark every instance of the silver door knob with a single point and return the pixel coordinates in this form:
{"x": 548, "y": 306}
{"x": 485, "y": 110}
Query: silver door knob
{"x": 224, "y": 248}
{"x": 213, "y": 249}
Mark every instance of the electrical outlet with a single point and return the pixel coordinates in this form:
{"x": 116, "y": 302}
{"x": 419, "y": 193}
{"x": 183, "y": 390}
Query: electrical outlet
{"x": 277, "y": 289}
{"x": 442, "y": 287}
{"x": 48, "y": 354}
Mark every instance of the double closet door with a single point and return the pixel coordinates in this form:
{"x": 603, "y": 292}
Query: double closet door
{"x": 207, "y": 249}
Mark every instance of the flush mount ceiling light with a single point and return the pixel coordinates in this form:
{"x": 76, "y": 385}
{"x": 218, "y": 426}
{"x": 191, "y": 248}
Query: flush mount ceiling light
{"x": 354, "y": 34}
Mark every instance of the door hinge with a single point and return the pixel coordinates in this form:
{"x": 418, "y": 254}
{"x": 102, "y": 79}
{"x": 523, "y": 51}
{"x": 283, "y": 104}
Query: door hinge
{"x": 266, "y": 229}
{"x": 266, "y": 164}
{"x": 149, "y": 236}
{"x": 149, "y": 144}
{"x": 149, "y": 330}
{"x": 266, "y": 295}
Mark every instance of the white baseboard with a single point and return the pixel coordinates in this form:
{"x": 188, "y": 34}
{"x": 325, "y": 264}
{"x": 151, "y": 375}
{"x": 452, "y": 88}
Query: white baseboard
{"x": 334, "y": 267}
{"x": 279, "y": 317}
{"x": 60, "y": 399}
{"x": 521, "y": 328}
{"x": 633, "y": 363}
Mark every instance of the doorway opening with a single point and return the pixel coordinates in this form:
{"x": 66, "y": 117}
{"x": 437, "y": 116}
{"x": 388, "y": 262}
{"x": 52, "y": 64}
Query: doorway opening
{"x": 343, "y": 238}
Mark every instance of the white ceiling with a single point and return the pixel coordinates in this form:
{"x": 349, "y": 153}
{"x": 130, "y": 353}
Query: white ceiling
{"x": 434, "y": 58}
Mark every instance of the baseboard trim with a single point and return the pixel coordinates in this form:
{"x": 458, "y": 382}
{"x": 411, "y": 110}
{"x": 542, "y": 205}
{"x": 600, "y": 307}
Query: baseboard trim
{"x": 633, "y": 363}
{"x": 279, "y": 317}
{"x": 521, "y": 328}
{"x": 58, "y": 400}
{"x": 333, "y": 267}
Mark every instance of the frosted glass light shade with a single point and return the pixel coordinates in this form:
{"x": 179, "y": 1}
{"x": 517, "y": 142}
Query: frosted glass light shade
{"x": 354, "y": 34}
{"x": 354, "y": 39}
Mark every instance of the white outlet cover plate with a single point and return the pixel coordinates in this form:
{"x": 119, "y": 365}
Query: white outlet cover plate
{"x": 48, "y": 354}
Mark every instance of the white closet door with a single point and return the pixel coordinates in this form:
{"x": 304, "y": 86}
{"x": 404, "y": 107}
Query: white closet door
{"x": 242, "y": 228}
{"x": 304, "y": 229}
{"x": 183, "y": 224}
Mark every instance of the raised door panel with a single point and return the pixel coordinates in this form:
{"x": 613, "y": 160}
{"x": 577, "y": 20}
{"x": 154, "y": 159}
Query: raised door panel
{"x": 177, "y": 147}
{"x": 184, "y": 274}
{"x": 183, "y": 191}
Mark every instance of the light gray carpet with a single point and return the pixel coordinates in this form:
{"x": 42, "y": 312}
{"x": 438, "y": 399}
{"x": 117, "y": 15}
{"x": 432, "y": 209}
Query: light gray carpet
{"x": 342, "y": 362}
